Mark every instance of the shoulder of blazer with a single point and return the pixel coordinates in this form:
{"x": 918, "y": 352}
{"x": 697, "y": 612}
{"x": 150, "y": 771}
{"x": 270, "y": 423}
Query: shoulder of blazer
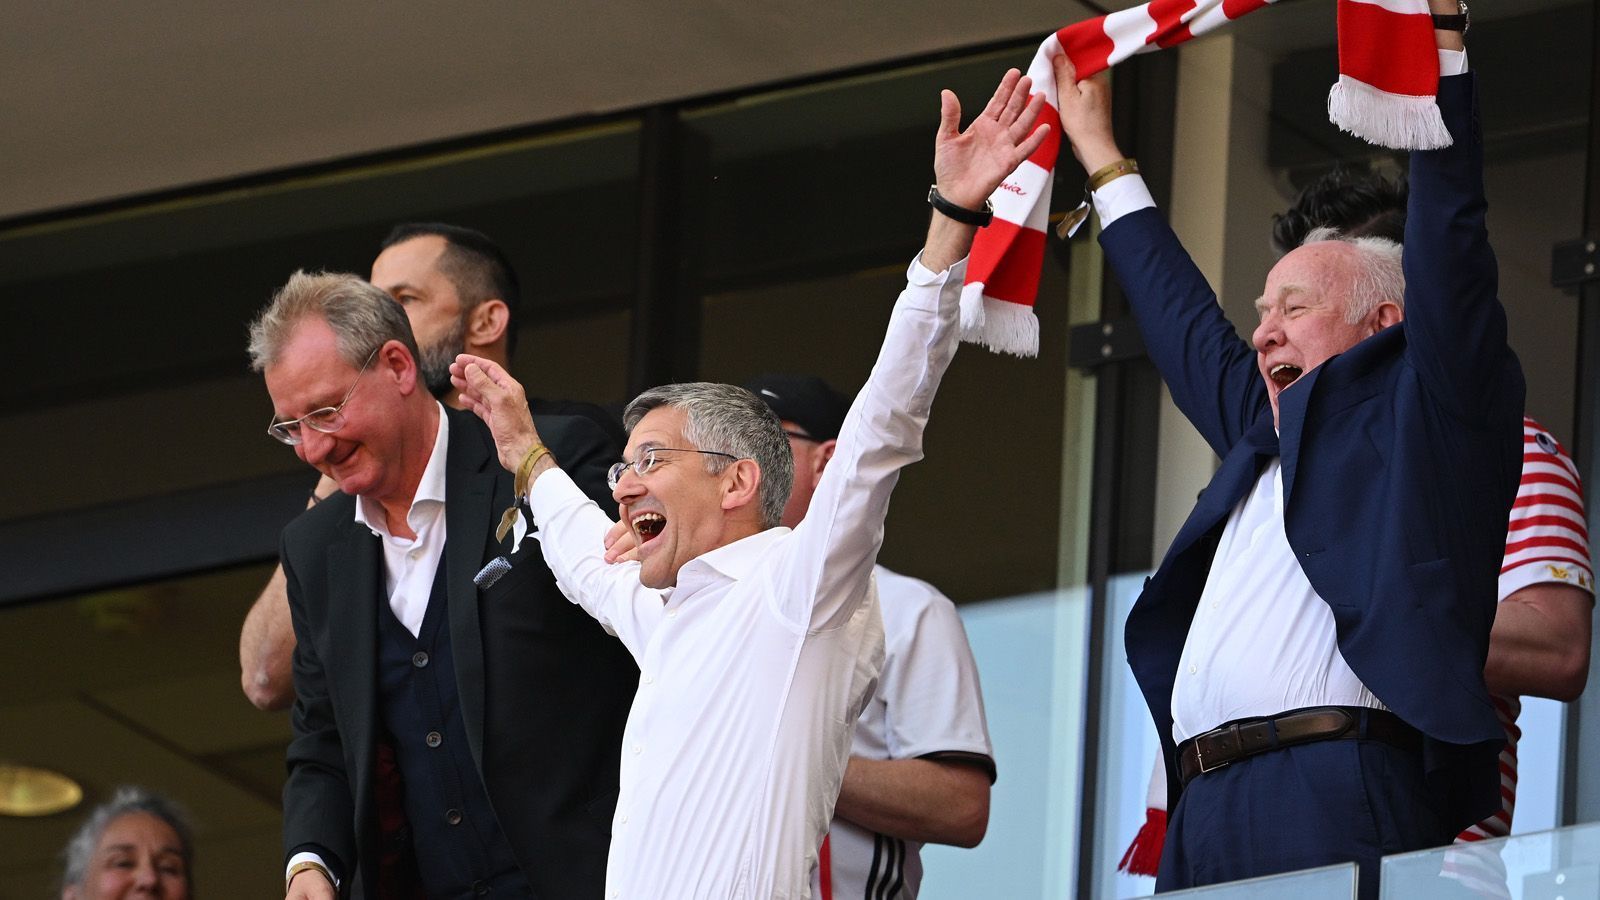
{"x": 326, "y": 521}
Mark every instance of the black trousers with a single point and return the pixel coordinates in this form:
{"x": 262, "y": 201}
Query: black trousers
{"x": 1300, "y": 807}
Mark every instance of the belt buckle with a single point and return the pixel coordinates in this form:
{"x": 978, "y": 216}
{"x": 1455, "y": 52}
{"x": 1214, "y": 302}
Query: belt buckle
{"x": 1201, "y": 758}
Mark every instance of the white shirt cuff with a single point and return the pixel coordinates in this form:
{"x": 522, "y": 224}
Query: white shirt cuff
{"x": 306, "y": 856}
{"x": 1452, "y": 62}
{"x": 1120, "y": 196}
{"x": 920, "y": 275}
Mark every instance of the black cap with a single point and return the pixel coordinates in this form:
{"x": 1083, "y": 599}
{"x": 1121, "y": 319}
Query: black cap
{"x": 805, "y": 400}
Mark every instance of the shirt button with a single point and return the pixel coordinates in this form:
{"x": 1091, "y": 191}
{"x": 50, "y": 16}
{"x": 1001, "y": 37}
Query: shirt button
{"x": 453, "y": 816}
{"x": 672, "y": 613}
{"x": 419, "y": 658}
{"x": 1192, "y": 670}
{"x": 434, "y": 738}
{"x": 637, "y": 749}
{"x": 415, "y": 553}
{"x": 623, "y": 820}
{"x": 649, "y": 679}
{"x": 1216, "y": 603}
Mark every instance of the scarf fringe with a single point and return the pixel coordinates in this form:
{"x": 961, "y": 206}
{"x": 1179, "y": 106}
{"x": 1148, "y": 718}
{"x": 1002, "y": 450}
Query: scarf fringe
{"x": 1396, "y": 121}
{"x": 999, "y": 325}
{"x": 1143, "y": 856}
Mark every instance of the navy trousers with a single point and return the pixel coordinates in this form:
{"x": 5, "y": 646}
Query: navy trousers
{"x": 1298, "y": 808}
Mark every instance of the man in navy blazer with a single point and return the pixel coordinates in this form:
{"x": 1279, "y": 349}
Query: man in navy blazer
{"x": 1312, "y": 646}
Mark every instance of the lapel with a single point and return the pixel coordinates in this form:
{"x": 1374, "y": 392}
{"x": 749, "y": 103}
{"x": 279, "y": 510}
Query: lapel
{"x": 354, "y": 589}
{"x": 1235, "y": 478}
{"x": 472, "y": 482}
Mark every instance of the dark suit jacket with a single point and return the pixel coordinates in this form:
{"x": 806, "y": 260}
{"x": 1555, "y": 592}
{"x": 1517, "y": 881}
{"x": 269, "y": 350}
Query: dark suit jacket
{"x": 544, "y": 690}
{"x": 1400, "y": 461}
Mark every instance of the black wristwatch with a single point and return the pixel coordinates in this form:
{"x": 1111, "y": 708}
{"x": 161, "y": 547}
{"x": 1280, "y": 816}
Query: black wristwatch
{"x": 978, "y": 217}
{"x": 1458, "y": 22}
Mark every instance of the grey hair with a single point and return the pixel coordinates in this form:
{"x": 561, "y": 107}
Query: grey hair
{"x": 126, "y": 801}
{"x": 363, "y": 317}
{"x": 1379, "y": 277}
{"x": 728, "y": 419}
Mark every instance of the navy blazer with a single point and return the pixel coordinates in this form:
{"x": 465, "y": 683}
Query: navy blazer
{"x": 1400, "y": 461}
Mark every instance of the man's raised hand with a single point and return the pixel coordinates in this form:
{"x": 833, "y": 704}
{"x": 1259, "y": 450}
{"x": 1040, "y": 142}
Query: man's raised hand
{"x": 496, "y": 398}
{"x": 969, "y": 165}
{"x": 1085, "y": 108}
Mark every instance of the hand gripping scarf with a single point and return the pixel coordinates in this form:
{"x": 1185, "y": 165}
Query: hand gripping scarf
{"x": 1388, "y": 74}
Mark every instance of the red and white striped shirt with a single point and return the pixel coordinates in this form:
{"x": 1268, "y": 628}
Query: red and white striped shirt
{"x": 1546, "y": 542}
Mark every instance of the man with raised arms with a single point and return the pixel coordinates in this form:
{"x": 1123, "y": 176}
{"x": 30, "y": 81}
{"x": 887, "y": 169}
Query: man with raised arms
{"x": 758, "y": 646}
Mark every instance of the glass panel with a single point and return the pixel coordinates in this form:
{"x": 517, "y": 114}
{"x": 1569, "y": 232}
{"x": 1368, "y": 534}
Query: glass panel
{"x": 1030, "y": 653}
{"x": 1543, "y": 866}
{"x": 1126, "y": 755}
{"x": 1330, "y": 883}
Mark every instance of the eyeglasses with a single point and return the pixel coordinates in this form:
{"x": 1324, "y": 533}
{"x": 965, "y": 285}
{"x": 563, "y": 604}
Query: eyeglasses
{"x": 801, "y": 436}
{"x": 648, "y": 459}
{"x": 326, "y": 420}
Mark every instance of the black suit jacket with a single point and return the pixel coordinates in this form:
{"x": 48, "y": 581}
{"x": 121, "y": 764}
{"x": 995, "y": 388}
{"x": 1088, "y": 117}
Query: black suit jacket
{"x": 545, "y": 692}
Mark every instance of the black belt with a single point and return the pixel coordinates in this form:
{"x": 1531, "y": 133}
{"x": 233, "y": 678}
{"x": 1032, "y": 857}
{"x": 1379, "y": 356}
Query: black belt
{"x": 1247, "y": 737}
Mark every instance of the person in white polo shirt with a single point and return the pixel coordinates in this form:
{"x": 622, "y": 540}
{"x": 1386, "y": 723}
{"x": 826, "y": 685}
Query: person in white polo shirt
{"x": 758, "y": 646}
{"x": 920, "y": 762}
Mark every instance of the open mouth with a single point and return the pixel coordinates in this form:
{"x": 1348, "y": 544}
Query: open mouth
{"x": 648, "y": 525}
{"x": 1284, "y": 374}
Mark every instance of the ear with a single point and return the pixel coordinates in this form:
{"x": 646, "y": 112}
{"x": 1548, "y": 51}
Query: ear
{"x": 487, "y": 323}
{"x": 741, "y": 485}
{"x": 820, "y": 456}
{"x": 396, "y": 362}
{"x": 1388, "y": 314}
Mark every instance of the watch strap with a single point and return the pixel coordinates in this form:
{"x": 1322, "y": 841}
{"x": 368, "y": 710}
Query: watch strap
{"x": 978, "y": 217}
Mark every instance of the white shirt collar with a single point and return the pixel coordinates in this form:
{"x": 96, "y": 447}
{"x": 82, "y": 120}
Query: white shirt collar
{"x": 731, "y": 561}
{"x": 429, "y": 490}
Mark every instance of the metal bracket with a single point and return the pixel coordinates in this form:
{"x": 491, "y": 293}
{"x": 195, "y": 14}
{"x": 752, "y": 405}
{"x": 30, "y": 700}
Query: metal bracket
{"x": 1573, "y": 263}
{"x": 1094, "y": 344}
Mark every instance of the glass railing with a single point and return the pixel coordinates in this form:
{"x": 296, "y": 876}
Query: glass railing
{"x": 1547, "y": 865}
{"x": 1327, "y": 883}
{"x": 1030, "y": 652}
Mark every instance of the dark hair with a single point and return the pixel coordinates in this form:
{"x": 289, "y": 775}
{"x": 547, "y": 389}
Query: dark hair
{"x": 476, "y": 265}
{"x": 1358, "y": 204}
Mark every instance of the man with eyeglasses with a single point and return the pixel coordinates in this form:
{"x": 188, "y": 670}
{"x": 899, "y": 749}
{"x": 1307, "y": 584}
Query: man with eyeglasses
{"x": 494, "y": 705}
{"x": 461, "y": 295}
{"x": 758, "y": 646}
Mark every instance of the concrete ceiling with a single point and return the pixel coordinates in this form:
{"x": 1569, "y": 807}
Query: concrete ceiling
{"x": 136, "y": 98}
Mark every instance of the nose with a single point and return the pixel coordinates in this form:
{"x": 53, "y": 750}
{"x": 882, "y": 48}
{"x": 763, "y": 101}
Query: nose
{"x": 314, "y": 445}
{"x": 630, "y": 487}
{"x": 1268, "y": 334}
{"x": 145, "y": 876}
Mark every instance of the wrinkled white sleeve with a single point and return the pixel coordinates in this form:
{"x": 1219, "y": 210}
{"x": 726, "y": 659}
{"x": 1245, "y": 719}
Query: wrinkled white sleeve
{"x": 819, "y": 578}
{"x": 572, "y": 531}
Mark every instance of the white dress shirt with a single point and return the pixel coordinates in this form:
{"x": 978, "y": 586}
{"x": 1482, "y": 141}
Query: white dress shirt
{"x": 755, "y": 666}
{"x": 1262, "y": 641}
{"x": 409, "y": 565}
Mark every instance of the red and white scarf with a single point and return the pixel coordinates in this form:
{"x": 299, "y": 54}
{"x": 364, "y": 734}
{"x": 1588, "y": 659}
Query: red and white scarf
{"x": 1388, "y": 73}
